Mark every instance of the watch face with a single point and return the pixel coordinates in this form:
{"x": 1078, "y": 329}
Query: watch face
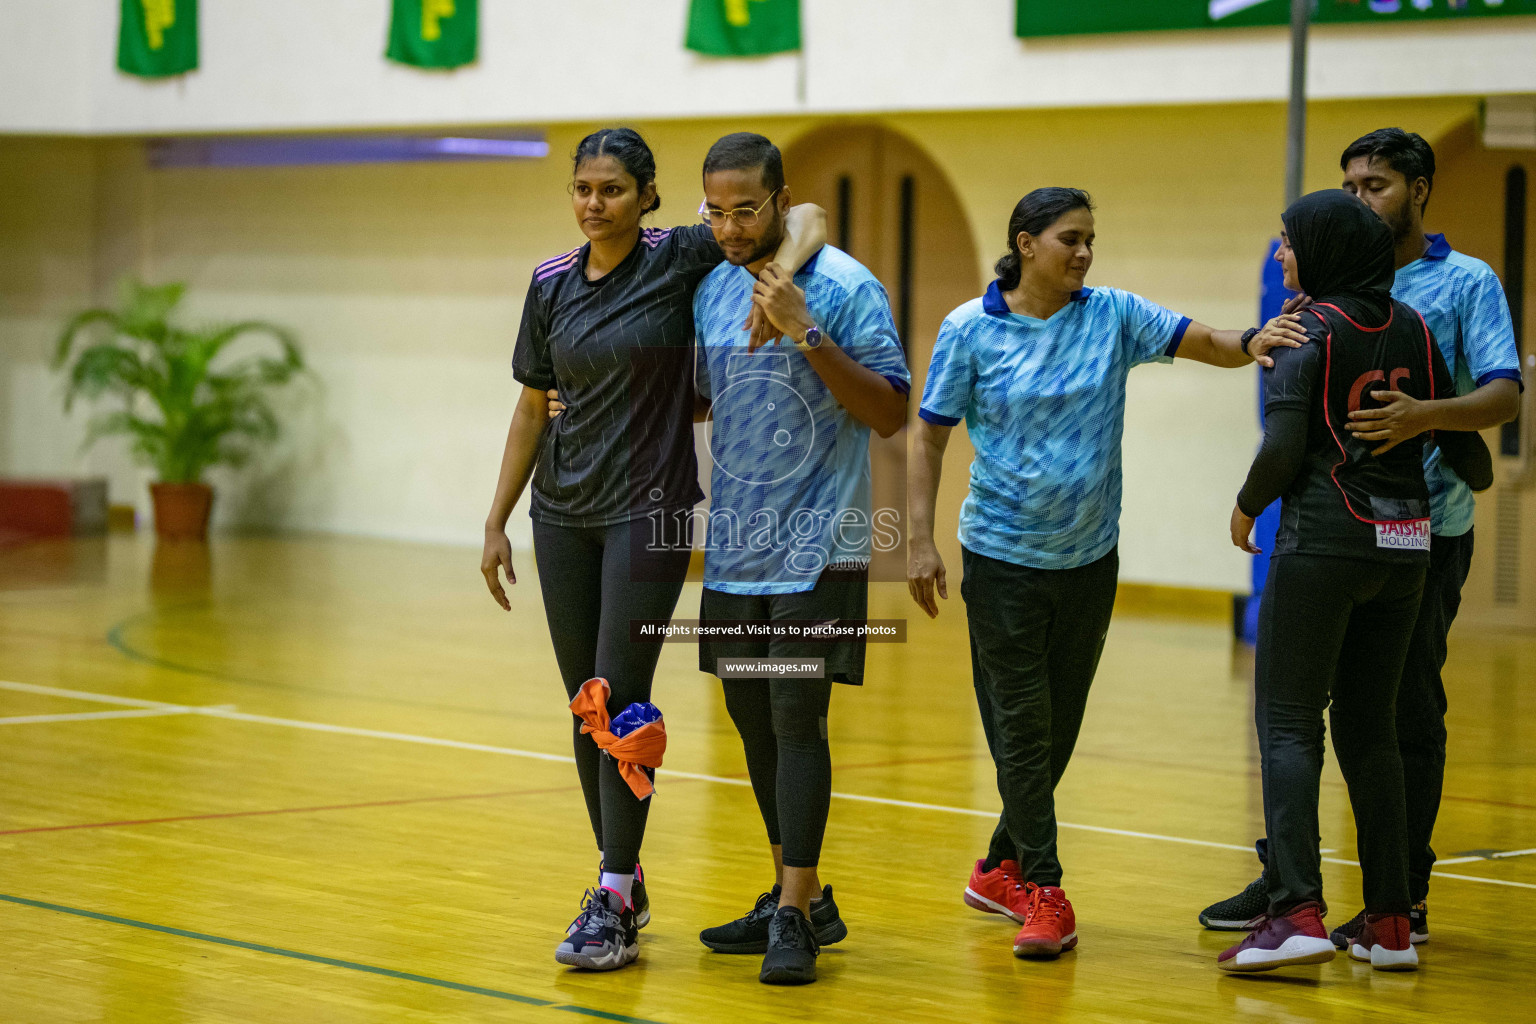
{"x": 813, "y": 337}
{"x": 763, "y": 429}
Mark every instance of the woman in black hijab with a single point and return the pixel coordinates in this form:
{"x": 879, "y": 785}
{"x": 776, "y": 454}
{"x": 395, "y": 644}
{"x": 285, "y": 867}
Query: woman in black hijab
{"x": 1344, "y": 583}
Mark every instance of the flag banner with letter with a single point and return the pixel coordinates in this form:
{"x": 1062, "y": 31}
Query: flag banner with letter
{"x": 157, "y": 38}
{"x": 1074, "y": 17}
{"x": 434, "y": 33}
{"x": 743, "y": 28}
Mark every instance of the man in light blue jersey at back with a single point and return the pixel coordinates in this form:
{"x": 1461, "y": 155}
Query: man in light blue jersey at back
{"x": 1464, "y": 306}
{"x": 790, "y": 522}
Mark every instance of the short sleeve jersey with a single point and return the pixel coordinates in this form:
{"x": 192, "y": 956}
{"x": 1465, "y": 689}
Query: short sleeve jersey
{"x": 1464, "y": 304}
{"x": 620, "y": 352}
{"x": 1346, "y": 501}
{"x": 1044, "y": 404}
{"x": 790, "y": 491}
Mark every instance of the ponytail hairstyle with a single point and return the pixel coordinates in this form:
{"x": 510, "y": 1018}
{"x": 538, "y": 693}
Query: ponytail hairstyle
{"x": 627, "y": 147}
{"x": 1033, "y": 214}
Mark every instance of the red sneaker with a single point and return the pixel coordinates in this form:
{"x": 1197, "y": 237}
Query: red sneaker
{"x": 1386, "y": 943}
{"x": 1050, "y": 927}
{"x": 998, "y": 891}
{"x": 1297, "y": 938}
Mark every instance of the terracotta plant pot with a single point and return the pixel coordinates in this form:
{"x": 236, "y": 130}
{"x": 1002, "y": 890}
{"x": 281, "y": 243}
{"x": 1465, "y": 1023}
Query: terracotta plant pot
{"x": 181, "y": 510}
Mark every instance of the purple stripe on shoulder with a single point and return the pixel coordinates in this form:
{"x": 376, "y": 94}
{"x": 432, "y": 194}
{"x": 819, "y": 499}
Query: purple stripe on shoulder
{"x": 652, "y": 237}
{"x": 549, "y": 268}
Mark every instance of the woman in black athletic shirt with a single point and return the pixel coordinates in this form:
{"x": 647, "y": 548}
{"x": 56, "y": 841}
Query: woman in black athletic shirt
{"x": 1344, "y": 583}
{"x": 609, "y": 326}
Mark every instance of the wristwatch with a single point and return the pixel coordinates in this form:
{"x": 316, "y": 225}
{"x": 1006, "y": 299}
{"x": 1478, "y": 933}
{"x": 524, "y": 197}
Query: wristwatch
{"x": 1248, "y": 336}
{"x": 813, "y": 337}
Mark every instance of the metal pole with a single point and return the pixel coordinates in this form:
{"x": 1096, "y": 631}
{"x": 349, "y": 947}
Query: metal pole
{"x": 1296, "y": 128}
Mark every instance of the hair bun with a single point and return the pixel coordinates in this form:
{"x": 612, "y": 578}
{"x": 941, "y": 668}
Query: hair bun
{"x": 1008, "y": 271}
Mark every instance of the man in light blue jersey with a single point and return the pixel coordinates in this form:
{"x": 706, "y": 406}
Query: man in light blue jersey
{"x": 1463, "y": 305}
{"x": 790, "y": 524}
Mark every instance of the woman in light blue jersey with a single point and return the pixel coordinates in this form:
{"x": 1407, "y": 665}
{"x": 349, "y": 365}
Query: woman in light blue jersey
{"x": 1037, "y": 369}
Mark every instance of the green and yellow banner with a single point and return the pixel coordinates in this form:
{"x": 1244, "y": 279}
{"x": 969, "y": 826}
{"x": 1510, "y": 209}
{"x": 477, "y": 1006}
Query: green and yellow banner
{"x": 743, "y": 28}
{"x": 157, "y": 38}
{"x": 434, "y": 33}
{"x": 1073, "y": 17}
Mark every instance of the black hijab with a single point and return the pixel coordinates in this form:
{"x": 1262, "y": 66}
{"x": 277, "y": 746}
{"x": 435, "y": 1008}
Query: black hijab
{"x": 1343, "y": 253}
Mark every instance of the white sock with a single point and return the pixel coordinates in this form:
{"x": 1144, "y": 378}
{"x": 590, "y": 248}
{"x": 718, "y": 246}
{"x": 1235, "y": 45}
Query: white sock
{"x": 621, "y": 884}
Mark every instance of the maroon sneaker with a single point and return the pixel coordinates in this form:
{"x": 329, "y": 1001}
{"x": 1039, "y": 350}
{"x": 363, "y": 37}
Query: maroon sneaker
{"x": 1386, "y": 943}
{"x": 1297, "y": 938}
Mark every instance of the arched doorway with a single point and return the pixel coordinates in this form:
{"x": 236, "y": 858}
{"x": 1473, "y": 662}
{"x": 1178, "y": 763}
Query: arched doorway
{"x": 892, "y": 208}
{"x": 1481, "y": 203}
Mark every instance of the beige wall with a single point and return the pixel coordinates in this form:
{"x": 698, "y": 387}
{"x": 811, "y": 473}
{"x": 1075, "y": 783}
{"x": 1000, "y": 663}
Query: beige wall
{"x": 47, "y": 263}
{"x": 286, "y": 65}
{"x": 406, "y": 281}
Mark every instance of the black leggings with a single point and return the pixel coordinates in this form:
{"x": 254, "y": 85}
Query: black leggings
{"x": 1334, "y": 629}
{"x": 594, "y": 581}
{"x": 783, "y": 726}
{"x": 1421, "y": 705}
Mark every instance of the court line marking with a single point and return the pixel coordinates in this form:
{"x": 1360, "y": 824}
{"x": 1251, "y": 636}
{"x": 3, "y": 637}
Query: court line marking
{"x": 329, "y": 961}
{"x": 433, "y": 741}
{"x": 95, "y": 716}
{"x": 98, "y": 698}
{"x": 1498, "y": 855}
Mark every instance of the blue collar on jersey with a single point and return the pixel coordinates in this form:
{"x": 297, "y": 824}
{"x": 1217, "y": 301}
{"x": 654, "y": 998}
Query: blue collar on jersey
{"x": 1438, "y": 249}
{"x": 993, "y": 303}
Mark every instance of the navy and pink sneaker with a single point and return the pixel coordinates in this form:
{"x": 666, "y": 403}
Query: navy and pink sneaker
{"x": 607, "y": 938}
{"x": 637, "y": 898}
{"x": 1292, "y": 940}
{"x": 1386, "y": 943}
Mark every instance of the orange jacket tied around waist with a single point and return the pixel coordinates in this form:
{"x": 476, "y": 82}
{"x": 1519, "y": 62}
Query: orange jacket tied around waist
{"x": 643, "y": 747}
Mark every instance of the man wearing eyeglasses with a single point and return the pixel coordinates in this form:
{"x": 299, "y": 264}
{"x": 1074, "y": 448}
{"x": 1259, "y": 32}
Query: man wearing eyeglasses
{"x": 790, "y": 522}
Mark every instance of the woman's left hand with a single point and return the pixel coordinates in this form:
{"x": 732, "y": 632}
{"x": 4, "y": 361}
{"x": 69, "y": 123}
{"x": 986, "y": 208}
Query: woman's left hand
{"x": 1242, "y": 530}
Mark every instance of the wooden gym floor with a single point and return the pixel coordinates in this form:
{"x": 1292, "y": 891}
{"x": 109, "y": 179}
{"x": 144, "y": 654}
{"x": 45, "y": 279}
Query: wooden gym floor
{"x": 326, "y": 780}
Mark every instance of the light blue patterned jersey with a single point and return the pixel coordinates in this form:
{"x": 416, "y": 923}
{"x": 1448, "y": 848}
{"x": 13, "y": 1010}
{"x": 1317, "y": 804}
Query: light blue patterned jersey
{"x": 1044, "y": 403}
{"x": 790, "y": 490}
{"x": 1463, "y": 303}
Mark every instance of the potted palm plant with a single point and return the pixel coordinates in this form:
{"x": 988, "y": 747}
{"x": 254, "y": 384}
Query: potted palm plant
{"x": 187, "y": 402}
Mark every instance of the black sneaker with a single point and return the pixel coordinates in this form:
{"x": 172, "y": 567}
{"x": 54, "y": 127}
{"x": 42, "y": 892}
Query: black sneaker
{"x": 1238, "y": 913}
{"x": 792, "y": 950}
{"x": 1418, "y": 923}
{"x": 1345, "y": 934}
{"x": 749, "y": 934}
{"x": 607, "y": 938}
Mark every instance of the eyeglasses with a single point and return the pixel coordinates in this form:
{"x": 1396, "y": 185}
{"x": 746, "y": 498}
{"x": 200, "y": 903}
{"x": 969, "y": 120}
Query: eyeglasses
{"x": 744, "y": 216}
